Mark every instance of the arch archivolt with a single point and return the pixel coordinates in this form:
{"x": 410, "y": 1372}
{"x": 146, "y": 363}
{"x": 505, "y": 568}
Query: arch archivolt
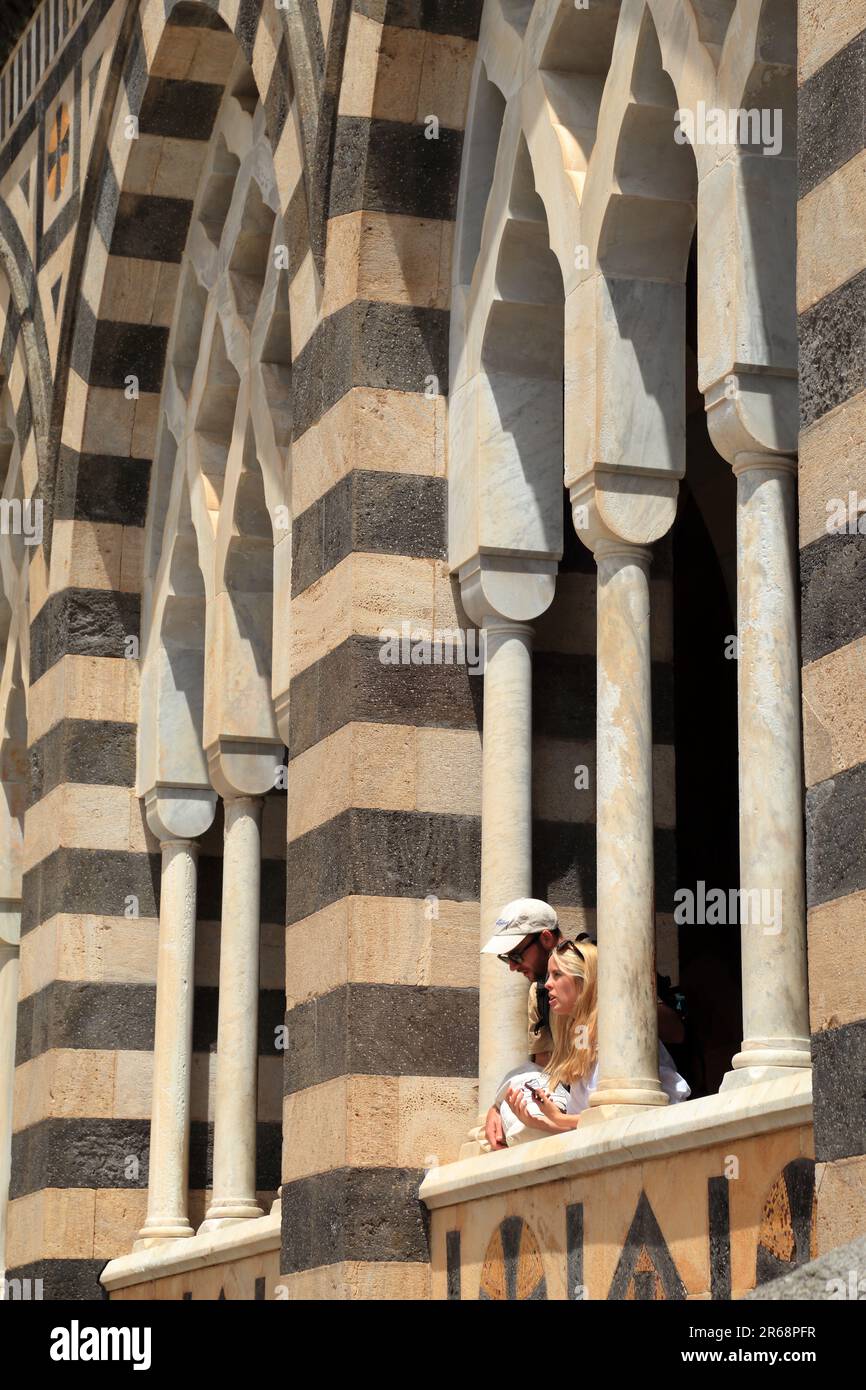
{"x": 217, "y": 542}
{"x": 590, "y": 97}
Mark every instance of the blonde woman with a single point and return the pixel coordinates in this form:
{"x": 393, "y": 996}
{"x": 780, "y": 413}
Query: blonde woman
{"x": 572, "y": 987}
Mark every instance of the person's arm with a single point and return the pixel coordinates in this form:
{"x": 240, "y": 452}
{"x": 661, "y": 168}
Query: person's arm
{"x": 550, "y": 1121}
{"x": 493, "y": 1128}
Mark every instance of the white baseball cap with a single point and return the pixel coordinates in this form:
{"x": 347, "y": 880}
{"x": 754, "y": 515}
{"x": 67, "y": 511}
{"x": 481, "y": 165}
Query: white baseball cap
{"x": 520, "y": 918}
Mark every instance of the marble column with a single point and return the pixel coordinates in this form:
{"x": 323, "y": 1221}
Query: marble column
{"x": 627, "y": 1013}
{"x": 506, "y": 840}
{"x": 772, "y": 893}
{"x": 167, "y": 1217}
{"x": 234, "y": 1168}
{"x": 10, "y": 916}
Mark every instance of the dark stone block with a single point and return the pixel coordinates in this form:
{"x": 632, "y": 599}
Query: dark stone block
{"x": 832, "y": 586}
{"x": 401, "y": 346}
{"x": 246, "y": 26}
{"x": 719, "y": 1219}
{"x": 64, "y": 1280}
{"x": 382, "y": 1030}
{"x": 92, "y": 881}
{"x": 90, "y": 1153}
{"x": 151, "y": 228}
{"x": 271, "y": 1015}
{"x": 181, "y": 110}
{"x": 832, "y": 355}
{"x": 836, "y": 836}
{"x": 563, "y": 862}
{"x": 135, "y": 68}
{"x": 391, "y": 166}
{"x": 839, "y": 1069}
{"x": 121, "y": 350}
{"x": 82, "y": 622}
{"x": 369, "y": 1214}
{"x": 831, "y": 115}
{"x": 89, "y": 751}
{"x": 75, "y": 1014}
{"x": 278, "y": 95}
{"x": 377, "y": 513}
{"x": 405, "y": 854}
{"x": 268, "y": 1155}
{"x": 563, "y": 695}
{"x": 352, "y": 683}
{"x": 102, "y": 487}
{"x": 462, "y": 18}
{"x": 107, "y": 202}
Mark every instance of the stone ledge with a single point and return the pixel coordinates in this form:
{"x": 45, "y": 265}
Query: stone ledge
{"x": 199, "y": 1252}
{"x": 760, "y": 1109}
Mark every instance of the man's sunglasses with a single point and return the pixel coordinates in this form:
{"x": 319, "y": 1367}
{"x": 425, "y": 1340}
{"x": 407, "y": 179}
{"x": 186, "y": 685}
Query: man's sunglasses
{"x": 514, "y": 957}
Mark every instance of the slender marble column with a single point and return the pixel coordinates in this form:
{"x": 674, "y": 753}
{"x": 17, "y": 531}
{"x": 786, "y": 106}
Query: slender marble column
{"x": 506, "y": 841}
{"x": 627, "y": 1013}
{"x": 172, "y": 1050}
{"x": 234, "y": 1168}
{"x": 772, "y": 894}
{"x": 8, "y": 1017}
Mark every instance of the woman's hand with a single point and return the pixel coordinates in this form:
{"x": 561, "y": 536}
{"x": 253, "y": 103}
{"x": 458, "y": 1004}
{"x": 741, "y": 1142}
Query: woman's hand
{"x": 519, "y": 1103}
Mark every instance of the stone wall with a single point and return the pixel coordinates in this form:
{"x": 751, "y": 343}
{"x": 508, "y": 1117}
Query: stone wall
{"x": 831, "y": 302}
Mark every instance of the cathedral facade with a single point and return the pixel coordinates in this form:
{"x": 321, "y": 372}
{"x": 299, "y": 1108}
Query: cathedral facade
{"x": 433, "y": 449}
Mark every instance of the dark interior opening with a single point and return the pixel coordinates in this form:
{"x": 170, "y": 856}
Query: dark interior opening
{"x": 705, "y": 725}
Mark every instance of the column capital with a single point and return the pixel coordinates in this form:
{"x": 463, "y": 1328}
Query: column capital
{"x": 619, "y": 509}
{"x": 747, "y": 462}
{"x": 179, "y": 813}
{"x": 241, "y": 768}
{"x": 506, "y": 588}
{"x": 753, "y": 412}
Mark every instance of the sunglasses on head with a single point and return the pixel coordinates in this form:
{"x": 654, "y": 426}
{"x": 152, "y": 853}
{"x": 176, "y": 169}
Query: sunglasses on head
{"x": 570, "y": 944}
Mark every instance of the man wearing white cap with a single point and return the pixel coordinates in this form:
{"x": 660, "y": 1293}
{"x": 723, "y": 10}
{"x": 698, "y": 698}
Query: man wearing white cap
{"x": 525, "y": 933}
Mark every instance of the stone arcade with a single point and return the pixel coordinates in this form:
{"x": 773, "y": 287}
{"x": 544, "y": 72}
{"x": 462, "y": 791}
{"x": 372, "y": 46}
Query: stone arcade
{"x": 386, "y": 321}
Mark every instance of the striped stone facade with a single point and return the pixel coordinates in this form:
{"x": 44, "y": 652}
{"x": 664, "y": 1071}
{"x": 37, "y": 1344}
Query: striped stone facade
{"x": 371, "y": 848}
{"x": 831, "y": 304}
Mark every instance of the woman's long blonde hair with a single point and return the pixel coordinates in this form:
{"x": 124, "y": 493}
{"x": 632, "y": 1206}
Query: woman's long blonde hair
{"x": 575, "y": 1039}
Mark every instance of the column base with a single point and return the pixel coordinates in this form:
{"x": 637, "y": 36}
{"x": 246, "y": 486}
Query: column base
{"x": 619, "y": 1110}
{"x": 752, "y": 1076}
{"x": 229, "y": 1212}
{"x": 158, "y": 1230}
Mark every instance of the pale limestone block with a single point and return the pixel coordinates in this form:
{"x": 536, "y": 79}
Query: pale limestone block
{"x": 111, "y": 949}
{"x": 825, "y": 29}
{"x": 118, "y": 1212}
{"x": 830, "y": 465}
{"x": 309, "y": 970}
{"x": 343, "y": 260}
{"x": 837, "y": 993}
{"x": 131, "y": 1094}
{"x": 86, "y": 555}
{"x": 834, "y": 717}
{"x": 398, "y": 74}
{"x": 37, "y": 582}
{"x": 130, "y": 289}
{"x": 78, "y": 395}
{"x": 841, "y": 1190}
{"x": 360, "y": 66}
{"x": 830, "y": 222}
{"x": 109, "y": 424}
{"x": 304, "y": 301}
{"x": 375, "y": 1282}
{"x": 445, "y": 77}
{"x": 52, "y": 1225}
{"x": 372, "y": 1105}
{"x": 321, "y": 1114}
{"x": 400, "y": 260}
{"x": 434, "y": 1115}
{"x": 448, "y": 771}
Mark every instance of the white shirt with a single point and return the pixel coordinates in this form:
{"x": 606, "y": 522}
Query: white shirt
{"x": 675, "y": 1087}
